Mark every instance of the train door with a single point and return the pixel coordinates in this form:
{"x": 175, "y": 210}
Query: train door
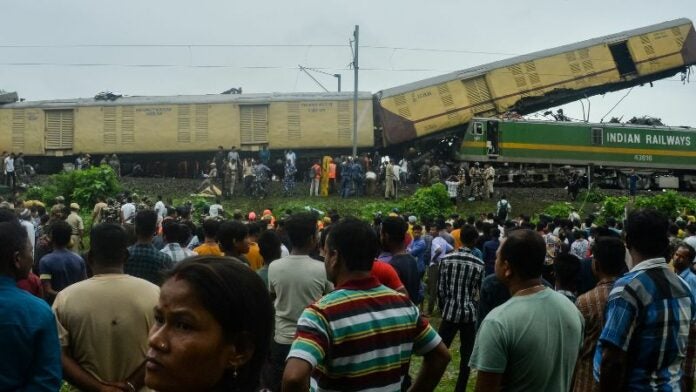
{"x": 492, "y": 139}
{"x": 623, "y": 59}
{"x": 60, "y": 130}
{"x": 253, "y": 127}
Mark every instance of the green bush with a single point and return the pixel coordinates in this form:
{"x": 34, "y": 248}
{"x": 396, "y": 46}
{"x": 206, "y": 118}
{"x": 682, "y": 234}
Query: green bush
{"x": 91, "y": 183}
{"x": 669, "y": 203}
{"x": 80, "y": 186}
{"x": 429, "y": 201}
{"x": 45, "y": 193}
{"x": 594, "y": 195}
{"x": 612, "y": 207}
{"x": 560, "y": 209}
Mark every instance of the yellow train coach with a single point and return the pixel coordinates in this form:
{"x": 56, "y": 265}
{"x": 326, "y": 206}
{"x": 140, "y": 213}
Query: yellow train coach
{"x": 536, "y": 81}
{"x": 185, "y": 124}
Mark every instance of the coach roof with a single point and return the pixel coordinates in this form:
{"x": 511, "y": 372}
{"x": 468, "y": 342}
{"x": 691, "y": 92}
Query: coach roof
{"x": 241, "y": 99}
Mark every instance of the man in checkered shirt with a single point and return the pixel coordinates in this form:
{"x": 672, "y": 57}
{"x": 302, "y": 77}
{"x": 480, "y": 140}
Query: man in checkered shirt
{"x": 648, "y": 315}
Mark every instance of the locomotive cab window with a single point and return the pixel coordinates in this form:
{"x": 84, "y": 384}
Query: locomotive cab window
{"x": 478, "y": 129}
{"x": 597, "y": 136}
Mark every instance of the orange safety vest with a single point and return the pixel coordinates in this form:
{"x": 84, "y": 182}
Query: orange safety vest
{"x": 332, "y": 170}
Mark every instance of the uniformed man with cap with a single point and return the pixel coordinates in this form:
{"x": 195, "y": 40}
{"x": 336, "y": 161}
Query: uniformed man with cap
{"x": 78, "y": 228}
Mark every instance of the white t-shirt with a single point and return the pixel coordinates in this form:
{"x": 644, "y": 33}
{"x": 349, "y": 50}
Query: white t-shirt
{"x": 128, "y": 211}
{"x": 404, "y": 165}
{"x": 397, "y": 170}
{"x": 291, "y": 157}
{"x": 9, "y": 164}
{"x": 160, "y": 209}
{"x": 215, "y": 210}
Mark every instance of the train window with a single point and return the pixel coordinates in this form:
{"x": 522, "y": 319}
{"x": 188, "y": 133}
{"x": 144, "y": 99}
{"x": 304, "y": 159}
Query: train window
{"x": 478, "y": 129}
{"x": 597, "y": 136}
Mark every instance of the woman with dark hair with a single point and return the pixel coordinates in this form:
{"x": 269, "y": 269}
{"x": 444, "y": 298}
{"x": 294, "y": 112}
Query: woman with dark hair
{"x": 212, "y": 328}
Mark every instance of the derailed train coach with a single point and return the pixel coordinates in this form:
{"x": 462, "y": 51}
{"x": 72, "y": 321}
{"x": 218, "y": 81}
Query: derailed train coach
{"x": 535, "y": 81}
{"x": 184, "y": 128}
{"x": 544, "y": 152}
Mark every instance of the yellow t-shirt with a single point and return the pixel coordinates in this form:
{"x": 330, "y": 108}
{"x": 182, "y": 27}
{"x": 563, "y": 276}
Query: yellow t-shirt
{"x": 254, "y": 256}
{"x": 208, "y": 250}
{"x": 456, "y": 233}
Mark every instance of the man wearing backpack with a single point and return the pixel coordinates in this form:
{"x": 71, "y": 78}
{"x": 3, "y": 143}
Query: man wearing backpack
{"x": 503, "y": 209}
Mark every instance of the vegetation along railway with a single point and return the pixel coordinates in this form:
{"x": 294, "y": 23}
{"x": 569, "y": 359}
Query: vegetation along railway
{"x": 163, "y": 131}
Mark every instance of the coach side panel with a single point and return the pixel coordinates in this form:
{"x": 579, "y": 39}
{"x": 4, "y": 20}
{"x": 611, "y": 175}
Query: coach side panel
{"x": 318, "y": 124}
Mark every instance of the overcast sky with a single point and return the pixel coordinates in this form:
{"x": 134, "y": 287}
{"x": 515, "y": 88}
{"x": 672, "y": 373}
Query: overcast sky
{"x": 171, "y": 47}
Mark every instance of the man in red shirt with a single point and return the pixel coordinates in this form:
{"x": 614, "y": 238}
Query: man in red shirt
{"x": 332, "y": 177}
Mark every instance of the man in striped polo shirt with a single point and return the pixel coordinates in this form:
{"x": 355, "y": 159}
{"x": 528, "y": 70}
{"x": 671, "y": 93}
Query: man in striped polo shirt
{"x": 360, "y": 336}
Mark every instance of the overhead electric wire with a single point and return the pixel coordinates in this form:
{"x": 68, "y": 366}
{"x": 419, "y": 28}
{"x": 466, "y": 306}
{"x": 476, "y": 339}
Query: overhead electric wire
{"x": 269, "y": 67}
{"x": 617, "y": 104}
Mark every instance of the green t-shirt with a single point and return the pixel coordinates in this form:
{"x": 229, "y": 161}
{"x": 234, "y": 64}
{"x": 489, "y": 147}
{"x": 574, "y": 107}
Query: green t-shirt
{"x": 533, "y": 340}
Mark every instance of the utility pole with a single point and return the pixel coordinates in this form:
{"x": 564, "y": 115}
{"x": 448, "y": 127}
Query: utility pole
{"x": 355, "y": 92}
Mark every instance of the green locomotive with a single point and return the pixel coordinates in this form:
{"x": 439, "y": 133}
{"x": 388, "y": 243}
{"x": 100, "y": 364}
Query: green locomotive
{"x": 543, "y": 152}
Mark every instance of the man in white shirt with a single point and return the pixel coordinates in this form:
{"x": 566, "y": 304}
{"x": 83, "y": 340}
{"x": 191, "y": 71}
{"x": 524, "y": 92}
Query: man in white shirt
{"x": 290, "y": 155}
{"x": 128, "y": 211}
{"x": 216, "y": 209}
{"x": 10, "y": 171}
{"x": 160, "y": 208}
{"x": 404, "y": 170}
{"x": 397, "y": 173}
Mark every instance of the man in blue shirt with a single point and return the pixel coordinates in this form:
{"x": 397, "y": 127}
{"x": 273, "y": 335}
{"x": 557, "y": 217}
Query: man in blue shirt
{"x": 490, "y": 248}
{"x": 648, "y": 316}
{"x": 682, "y": 264}
{"x": 418, "y": 247}
{"x": 60, "y": 268}
{"x": 30, "y": 351}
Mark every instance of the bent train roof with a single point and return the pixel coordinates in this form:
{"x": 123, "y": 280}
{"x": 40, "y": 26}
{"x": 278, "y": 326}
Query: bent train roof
{"x": 482, "y": 69}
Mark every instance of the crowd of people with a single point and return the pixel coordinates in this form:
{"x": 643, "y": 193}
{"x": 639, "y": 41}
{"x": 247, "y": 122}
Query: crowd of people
{"x": 295, "y": 301}
{"x": 346, "y": 176}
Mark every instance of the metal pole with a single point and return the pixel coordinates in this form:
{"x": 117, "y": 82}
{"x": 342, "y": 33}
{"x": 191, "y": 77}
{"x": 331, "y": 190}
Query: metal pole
{"x": 338, "y": 76}
{"x": 355, "y": 93}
